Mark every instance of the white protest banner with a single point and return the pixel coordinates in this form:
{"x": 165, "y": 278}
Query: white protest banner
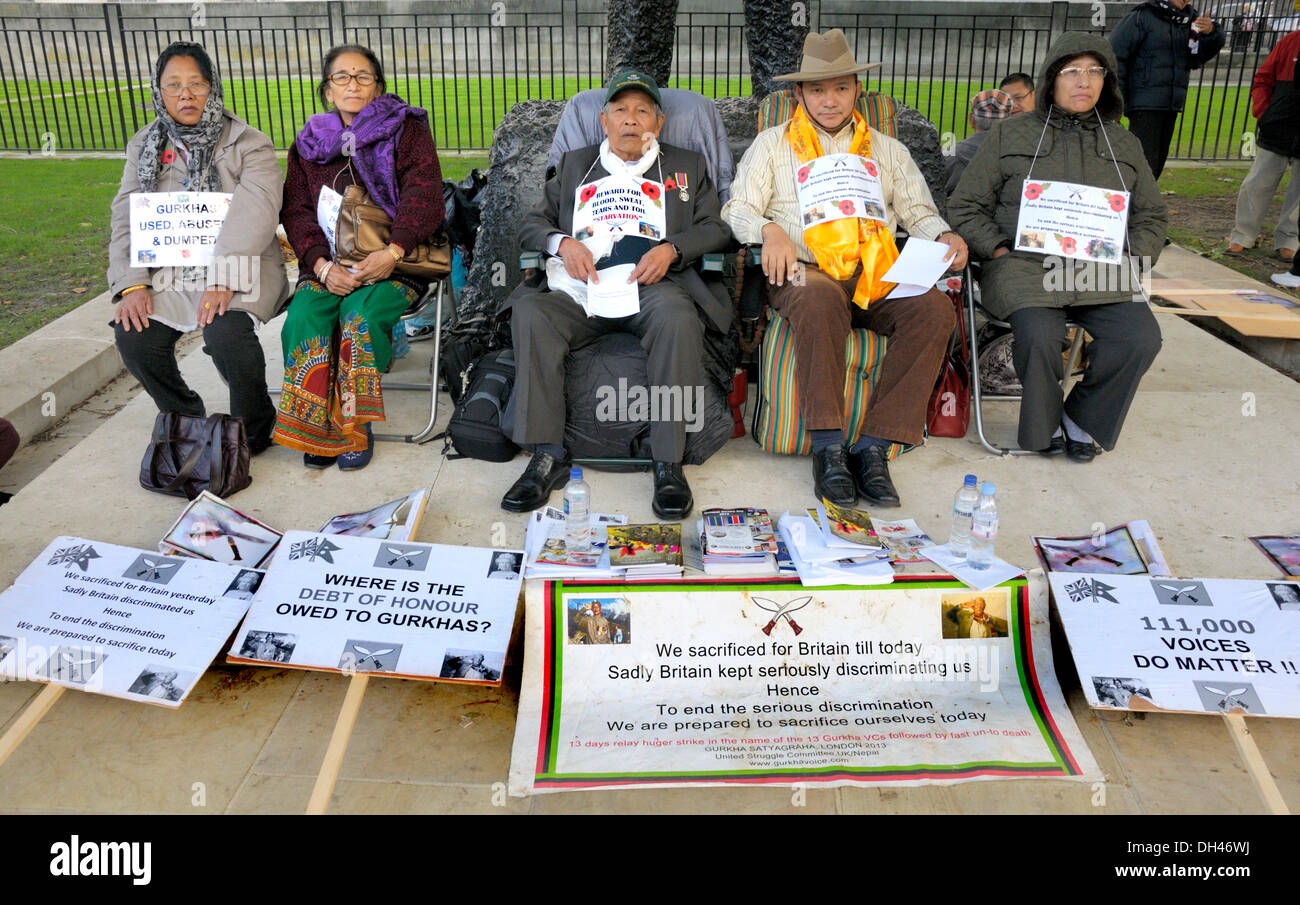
{"x": 176, "y": 229}
{"x": 328, "y": 205}
{"x": 119, "y": 621}
{"x": 923, "y": 681}
{"x": 837, "y": 186}
{"x": 1203, "y": 645}
{"x": 1072, "y": 220}
{"x": 358, "y": 604}
{"x": 621, "y": 204}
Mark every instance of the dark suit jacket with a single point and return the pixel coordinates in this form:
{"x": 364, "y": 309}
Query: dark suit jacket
{"x": 695, "y": 226}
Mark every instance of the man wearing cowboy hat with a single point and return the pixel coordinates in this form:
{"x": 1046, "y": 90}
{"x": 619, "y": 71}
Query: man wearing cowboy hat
{"x": 824, "y": 271}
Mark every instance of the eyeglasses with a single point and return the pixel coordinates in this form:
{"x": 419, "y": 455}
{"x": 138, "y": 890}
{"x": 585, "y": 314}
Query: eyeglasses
{"x": 1093, "y": 73}
{"x": 364, "y": 79}
{"x": 196, "y": 89}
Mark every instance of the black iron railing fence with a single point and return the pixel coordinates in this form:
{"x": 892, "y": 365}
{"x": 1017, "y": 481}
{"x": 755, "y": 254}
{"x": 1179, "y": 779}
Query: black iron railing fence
{"x": 75, "y": 77}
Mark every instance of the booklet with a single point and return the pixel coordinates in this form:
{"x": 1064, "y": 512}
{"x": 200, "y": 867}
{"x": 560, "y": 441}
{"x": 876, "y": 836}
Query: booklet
{"x": 903, "y": 537}
{"x": 1282, "y": 549}
{"x": 843, "y": 523}
{"x": 210, "y": 528}
{"x": 637, "y": 545}
{"x": 395, "y": 520}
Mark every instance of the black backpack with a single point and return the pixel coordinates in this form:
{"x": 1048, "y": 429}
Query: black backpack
{"x": 475, "y": 428}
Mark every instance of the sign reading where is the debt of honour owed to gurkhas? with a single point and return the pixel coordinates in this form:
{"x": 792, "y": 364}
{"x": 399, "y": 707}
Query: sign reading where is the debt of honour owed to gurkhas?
{"x": 118, "y": 621}
{"x": 1072, "y": 220}
{"x": 1216, "y": 645}
{"x": 358, "y": 604}
{"x": 176, "y": 229}
{"x": 770, "y": 682}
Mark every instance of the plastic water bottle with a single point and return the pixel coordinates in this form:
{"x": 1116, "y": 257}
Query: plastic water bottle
{"x": 963, "y": 508}
{"x": 577, "y": 513}
{"x": 984, "y": 528}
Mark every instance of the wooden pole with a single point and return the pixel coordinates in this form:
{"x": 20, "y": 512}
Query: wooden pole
{"x": 28, "y": 719}
{"x": 338, "y": 746}
{"x": 1255, "y": 765}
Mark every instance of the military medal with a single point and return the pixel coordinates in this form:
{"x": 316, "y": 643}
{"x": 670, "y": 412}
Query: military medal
{"x": 681, "y": 187}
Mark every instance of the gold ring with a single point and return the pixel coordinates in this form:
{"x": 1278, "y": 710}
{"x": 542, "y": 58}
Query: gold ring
{"x": 207, "y": 304}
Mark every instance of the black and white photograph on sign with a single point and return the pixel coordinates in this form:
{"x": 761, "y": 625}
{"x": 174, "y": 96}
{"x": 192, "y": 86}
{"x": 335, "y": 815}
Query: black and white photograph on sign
{"x": 979, "y": 615}
{"x": 161, "y": 682}
{"x": 471, "y": 665}
{"x": 504, "y": 564}
{"x": 245, "y": 585}
{"x": 153, "y": 568}
{"x": 274, "y": 647}
{"x": 1114, "y": 552}
{"x": 402, "y": 556}
{"x": 1114, "y": 691}
{"x": 7, "y": 645}
{"x": 210, "y": 528}
{"x": 1286, "y": 594}
{"x": 599, "y": 620}
{"x": 370, "y": 656}
{"x": 1177, "y": 592}
{"x": 1229, "y": 696}
{"x": 72, "y": 664}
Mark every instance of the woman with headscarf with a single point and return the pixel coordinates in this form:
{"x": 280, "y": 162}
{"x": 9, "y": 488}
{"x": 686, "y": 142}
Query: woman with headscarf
{"x": 1072, "y": 140}
{"x": 196, "y": 145}
{"x": 337, "y": 337}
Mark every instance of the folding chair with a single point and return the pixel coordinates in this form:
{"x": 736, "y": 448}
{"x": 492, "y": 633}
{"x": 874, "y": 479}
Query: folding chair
{"x": 433, "y": 296}
{"x": 1067, "y": 381}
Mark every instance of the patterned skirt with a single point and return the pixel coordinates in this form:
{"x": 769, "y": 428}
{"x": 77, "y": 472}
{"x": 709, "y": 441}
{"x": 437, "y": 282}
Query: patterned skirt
{"x": 335, "y": 348}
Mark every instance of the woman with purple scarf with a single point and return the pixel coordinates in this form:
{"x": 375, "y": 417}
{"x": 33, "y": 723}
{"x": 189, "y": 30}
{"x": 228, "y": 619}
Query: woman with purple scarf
{"x": 337, "y": 337}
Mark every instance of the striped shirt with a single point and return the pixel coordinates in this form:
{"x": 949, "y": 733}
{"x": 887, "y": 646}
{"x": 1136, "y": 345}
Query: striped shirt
{"x": 764, "y": 188}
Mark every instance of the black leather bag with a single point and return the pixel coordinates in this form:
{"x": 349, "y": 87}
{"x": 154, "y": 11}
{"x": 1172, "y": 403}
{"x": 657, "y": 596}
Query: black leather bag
{"x": 189, "y": 455}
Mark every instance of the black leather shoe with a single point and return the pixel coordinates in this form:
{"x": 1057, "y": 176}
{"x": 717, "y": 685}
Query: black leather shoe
{"x": 871, "y": 469}
{"x": 1080, "y": 451}
{"x": 672, "y": 500}
{"x": 1055, "y": 448}
{"x": 832, "y": 479}
{"x": 543, "y": 474}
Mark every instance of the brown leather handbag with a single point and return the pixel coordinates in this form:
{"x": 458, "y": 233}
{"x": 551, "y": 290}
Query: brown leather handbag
{"x": 364, "y": 228}
{"x": 948, "y": 414}
{"x": 189, "y": 455}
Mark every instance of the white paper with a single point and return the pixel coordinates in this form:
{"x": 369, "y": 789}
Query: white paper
{"x": 328, "y": 206}
{"x": 814, "y": 561}
{"x": 118, "y": 621}
{"x": 1072, "y": 220}
{"x": 919, "y": 264}
{"x": 998, "y": 570}
{"x": 1210, "y": 645}
{"x": 358, "y": 604}
{"x": 176, "y": 229}
{"x": 837, "y": 187}
{"x": 613, "y": 296}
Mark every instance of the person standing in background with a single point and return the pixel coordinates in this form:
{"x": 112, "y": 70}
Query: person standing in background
{"x": 1158, "y": 44}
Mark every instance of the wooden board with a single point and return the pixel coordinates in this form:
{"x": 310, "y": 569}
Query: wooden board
{"x": 1248, "y": 318}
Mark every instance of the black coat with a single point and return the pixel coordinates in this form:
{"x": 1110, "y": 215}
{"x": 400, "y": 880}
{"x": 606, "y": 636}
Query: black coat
{"x": 695, "y": 225}
{"x": 1154, "y": 57}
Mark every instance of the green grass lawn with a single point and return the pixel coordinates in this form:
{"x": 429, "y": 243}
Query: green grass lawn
{"x": 54, "y": 235}
{"x": 466, "y": 111}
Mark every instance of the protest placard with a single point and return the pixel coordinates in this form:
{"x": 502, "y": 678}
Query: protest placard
{"x": 176, "y": 229}
{"x": 1202, "y": 645}
{"x": 1072, "y": 220}
{"x": 839, "y": 186}
{"x": 119, "y": 621}
{"x": 713, "y": 683}
{"x": 356, "y": 604}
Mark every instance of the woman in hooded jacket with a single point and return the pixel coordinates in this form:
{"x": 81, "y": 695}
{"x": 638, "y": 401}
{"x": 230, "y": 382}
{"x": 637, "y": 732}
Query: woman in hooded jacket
{"x": 1073, "y": 136}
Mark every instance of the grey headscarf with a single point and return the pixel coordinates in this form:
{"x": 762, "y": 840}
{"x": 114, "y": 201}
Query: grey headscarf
{"x": 200, "y": 140}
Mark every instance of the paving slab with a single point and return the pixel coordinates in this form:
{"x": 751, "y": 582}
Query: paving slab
{"x": 1192, "y": 461}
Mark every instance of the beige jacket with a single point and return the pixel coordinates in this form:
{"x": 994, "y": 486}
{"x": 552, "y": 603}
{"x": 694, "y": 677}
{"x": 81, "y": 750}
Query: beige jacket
{"x": 247, "y": 255}
{"x": 763, "y": 191}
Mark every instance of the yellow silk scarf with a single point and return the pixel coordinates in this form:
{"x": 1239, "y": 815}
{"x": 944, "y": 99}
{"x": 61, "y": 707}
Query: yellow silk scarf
{"x": 841, "y": 245}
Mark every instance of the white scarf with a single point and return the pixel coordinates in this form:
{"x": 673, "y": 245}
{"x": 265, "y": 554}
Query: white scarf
{"x": 599, "y": 244}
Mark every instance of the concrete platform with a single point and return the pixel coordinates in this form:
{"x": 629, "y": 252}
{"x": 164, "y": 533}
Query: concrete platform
{"x": 1204, "y": 471}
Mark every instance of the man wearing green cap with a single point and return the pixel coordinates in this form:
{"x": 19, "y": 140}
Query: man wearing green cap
{"x": 627, "y": 201}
